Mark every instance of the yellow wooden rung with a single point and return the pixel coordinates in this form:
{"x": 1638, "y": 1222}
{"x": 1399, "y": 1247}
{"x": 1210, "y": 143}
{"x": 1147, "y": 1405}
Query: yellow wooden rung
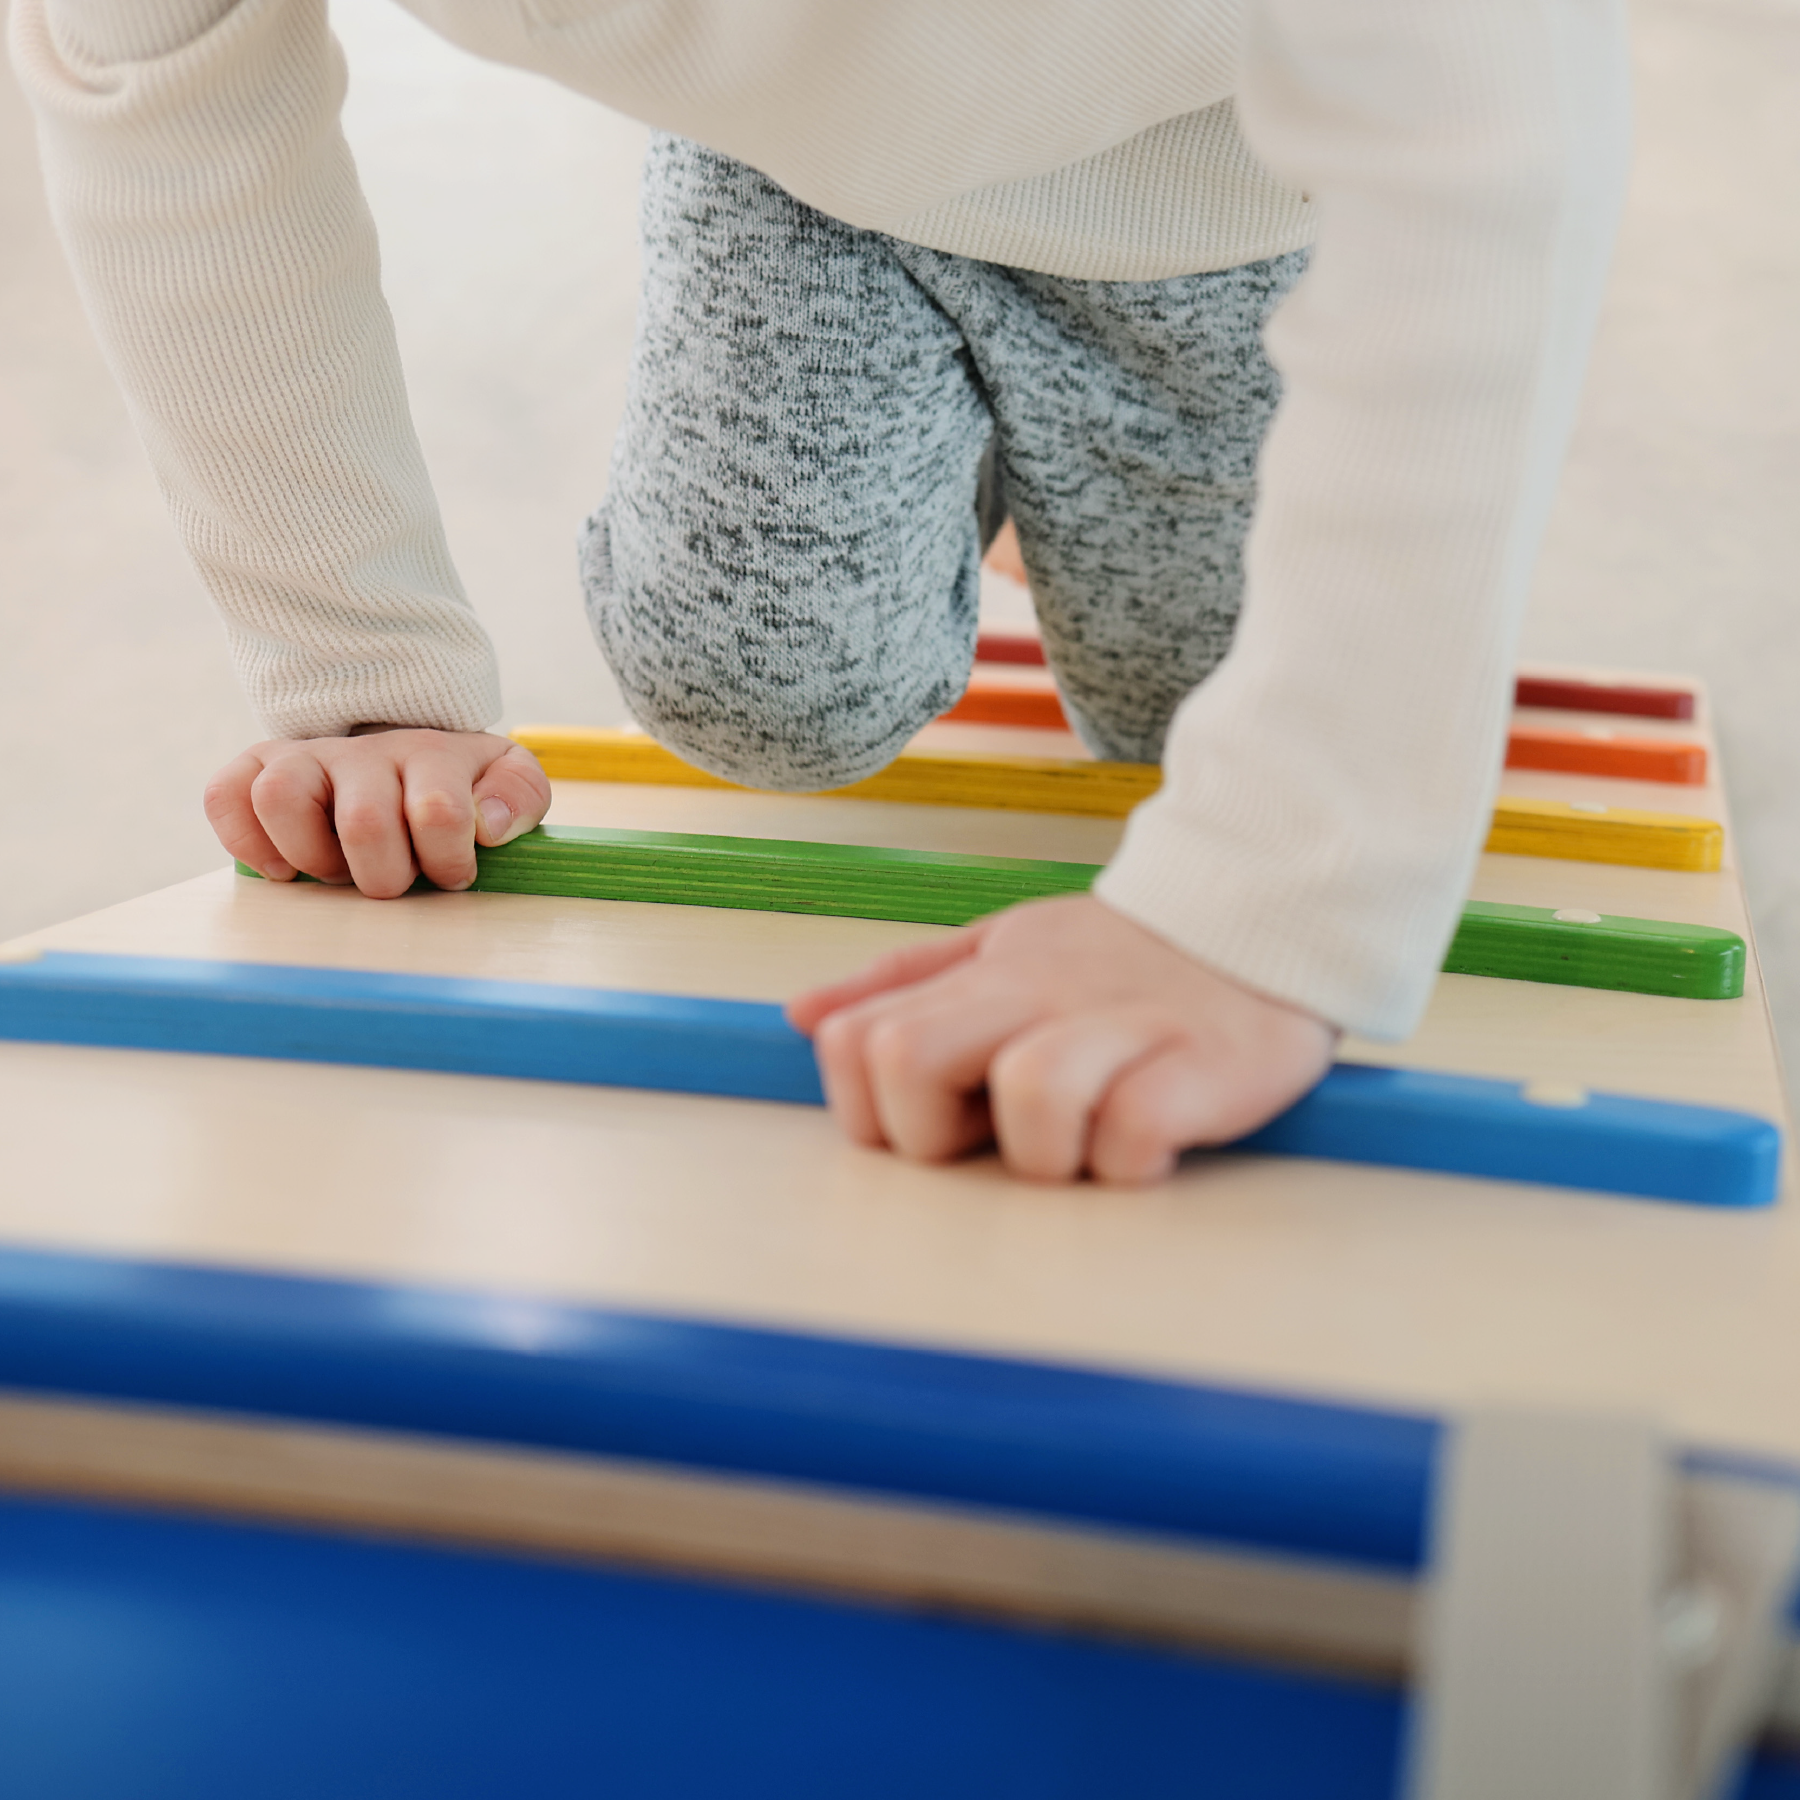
{"x": 1017, "y": 783}
{"x": 1611, "y": 834}
{"x": 1109, "y": 790}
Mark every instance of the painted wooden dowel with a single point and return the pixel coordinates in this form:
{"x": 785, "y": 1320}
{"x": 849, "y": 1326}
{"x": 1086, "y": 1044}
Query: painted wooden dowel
{"x": 1009, "y": 647}
{"x": 1571, "y": 695}
{"x": 1578, "y": 831}
{"x": 1553, "y": 692}
{"x": 931, "y": 887}
{"x": 1397, "y": 1117}
{"x": 1560, "y": 1136}
{"x": 1589, "y": 750}
{"x": 1573, "y": 947}
{"x": 1554, "y": 828}
{"x": 1522, "y": 943}
{"x": 1014, "y": 783}
{"x": 987, "y": 702}
{"x": 530, "y": 1030}
{"x": 1596, "y": 751}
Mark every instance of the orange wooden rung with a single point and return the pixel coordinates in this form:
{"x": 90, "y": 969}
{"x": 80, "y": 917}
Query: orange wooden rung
{"x": 997, "y": 703}
{"x": 1599, "y": 752}
{"x": 1587, "y": 750}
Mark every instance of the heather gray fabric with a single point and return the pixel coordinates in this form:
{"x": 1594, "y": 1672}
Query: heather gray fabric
{"x": 783, "y": 573}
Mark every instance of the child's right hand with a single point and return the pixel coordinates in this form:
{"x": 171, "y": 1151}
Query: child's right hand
{"x": 377, "y": 809}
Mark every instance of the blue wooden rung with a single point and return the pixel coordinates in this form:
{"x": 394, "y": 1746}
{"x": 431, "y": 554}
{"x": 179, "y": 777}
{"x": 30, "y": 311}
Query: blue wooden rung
{"x": 1463, "y": 1125}
{"x": 385, "y": 1021}
{"x": 1404, "y": 1118}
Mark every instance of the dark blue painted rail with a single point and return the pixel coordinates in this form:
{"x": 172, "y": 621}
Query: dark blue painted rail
{"x": 1192, "y": 1461}
{"x": 157, "y": 1656}
{"x": 167, "y": 1659}
{"x": 147, "y": 1658}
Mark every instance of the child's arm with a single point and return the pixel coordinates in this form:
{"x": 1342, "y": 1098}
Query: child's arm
{"x": 212, "y": 217}
{"x": 1327, "y": 791}
{"x": 230, "y": 265}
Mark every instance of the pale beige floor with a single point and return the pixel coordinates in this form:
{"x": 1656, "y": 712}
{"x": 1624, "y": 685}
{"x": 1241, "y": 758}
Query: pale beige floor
{"x": 506, "y": 208}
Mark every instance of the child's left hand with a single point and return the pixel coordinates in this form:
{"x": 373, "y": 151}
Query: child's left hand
{"x": 1076, "y": 1038}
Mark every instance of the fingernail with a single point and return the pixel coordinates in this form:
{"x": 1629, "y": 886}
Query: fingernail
{"x": 277, "y": 870}
{"x": 496, "y": 815}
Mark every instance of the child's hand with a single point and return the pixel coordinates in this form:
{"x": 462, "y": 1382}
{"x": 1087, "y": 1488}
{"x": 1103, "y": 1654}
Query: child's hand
{"x": 377, "y": 809}
{"x": 1076, "y": 1038}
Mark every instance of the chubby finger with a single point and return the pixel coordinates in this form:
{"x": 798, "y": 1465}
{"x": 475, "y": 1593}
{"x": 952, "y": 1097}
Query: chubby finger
{"x": 898, "y": 969}
{"x": 1166, "y": 1103}
{"x": 292, "y": 798}
{"x": 368, "y": 807}
{"x": 233, "y": 818}
{"x": 1047, "y": 1083}
{"x": 512, "y": 796}
{"x": 1180, "y": 1098}
{"x": 438, "y": 803}
{"x": 908, "y": 1069}
{"x": 926, "y": 1064}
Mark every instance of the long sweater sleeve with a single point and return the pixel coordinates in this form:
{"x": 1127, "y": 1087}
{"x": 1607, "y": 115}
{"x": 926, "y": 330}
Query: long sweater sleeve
{"x": 1328, "y": 790}
{"x": 220, "y": 240}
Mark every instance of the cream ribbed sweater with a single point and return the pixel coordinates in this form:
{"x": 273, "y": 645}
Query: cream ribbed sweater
{"x": 1327, "y": 791}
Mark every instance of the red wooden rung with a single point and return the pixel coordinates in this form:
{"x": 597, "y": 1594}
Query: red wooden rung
{"x": 1603, "y": 696}
{"x": 993, "y": 705}
{"x": 1009, "y": 647}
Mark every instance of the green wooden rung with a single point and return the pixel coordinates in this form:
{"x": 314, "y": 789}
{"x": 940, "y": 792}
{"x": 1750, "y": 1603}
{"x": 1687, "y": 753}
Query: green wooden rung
{"x": 1636, "y": 956}
{"x": 927, "y": 887}
{"x": 930, "y": 887}
{"x": 938, "y": 887}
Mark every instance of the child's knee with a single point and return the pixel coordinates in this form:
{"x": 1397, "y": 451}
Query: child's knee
{"x": 767, "y": 689}
{"x": 758, "y": 742}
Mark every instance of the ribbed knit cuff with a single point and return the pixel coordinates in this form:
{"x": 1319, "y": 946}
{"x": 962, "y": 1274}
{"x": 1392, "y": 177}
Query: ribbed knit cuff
{"x": 1359, "y": 961}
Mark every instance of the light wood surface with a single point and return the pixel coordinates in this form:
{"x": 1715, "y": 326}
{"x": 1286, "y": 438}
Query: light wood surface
{"x": 1125, "y": 1584}
{"x": 1363, "y": 1283}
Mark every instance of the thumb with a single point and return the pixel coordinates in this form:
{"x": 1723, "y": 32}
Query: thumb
{"x": 512, "y": 796}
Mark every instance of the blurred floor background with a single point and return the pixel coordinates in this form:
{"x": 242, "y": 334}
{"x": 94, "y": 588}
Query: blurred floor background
{"x": 506, "y": 209}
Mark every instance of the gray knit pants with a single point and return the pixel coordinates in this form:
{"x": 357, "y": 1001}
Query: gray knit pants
{"x": 784, "y": 572}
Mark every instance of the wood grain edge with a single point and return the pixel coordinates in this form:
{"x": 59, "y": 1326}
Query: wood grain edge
{"x": 997, "y": 1567}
